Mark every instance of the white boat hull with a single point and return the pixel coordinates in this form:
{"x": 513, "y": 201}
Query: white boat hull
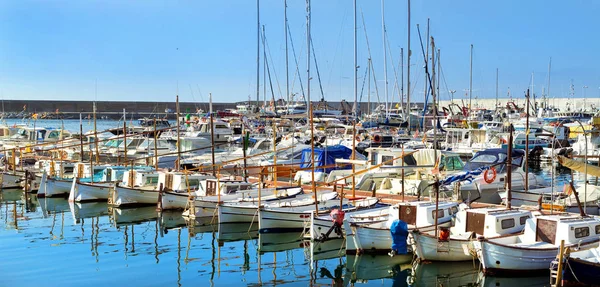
{"x": 171, "y": 200}
{"x": 370, "y": 239}
{"x": 283, "y": 221}
{"x": 56, "y": 187}
{"x": 237, "y": 213}
{"x": 428, "y": 248}
{"x": 89, "y": 192}
{"x": 124, "y": 196}
{"x": 503, "y": 258}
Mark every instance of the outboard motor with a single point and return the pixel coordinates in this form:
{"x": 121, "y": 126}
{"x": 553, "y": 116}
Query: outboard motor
{"x": 337, "y": 216}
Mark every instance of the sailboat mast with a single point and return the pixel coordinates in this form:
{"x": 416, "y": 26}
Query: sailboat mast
{"x": 496, "y": 88}
{"x": 212, "y": 138}
{"x": 287, "y": 72}
{"x": 257, "y": 53}
{"x": 548, "y": 89}
{"x": 178, "y": 127}
{"x": 470, "y": 79}
{"x": 402, "y": 76}
{"x": 355, "y": 112}
{"x": 385, "y": 81}
{"x": 426, "y": 90}
{"x": 407, "y": 112}
{"x": 308, "y": 51}
{"x": 355, "y": 68}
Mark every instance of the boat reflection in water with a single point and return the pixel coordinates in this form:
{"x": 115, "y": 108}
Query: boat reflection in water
{"x": 333, "y": 248}
{"x": 445, "y": 274}
{"x": 197, "y": 225}
{"x": 276, "y": 242}
{"x": 230, "y": 232}
{"x": 363, "y": 268}
{"x": 133, "y": 215}
{"x": 53, "y": 205}
{"x": 11, "y": 194}
{"x": 81, "y": 211}
{"x": 489, "y": 281}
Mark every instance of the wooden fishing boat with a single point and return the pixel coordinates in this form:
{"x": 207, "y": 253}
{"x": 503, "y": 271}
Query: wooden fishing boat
{"x": 377, "y": 238}
{"x": 535, "y": 249}
{"x": 455, "y": 244}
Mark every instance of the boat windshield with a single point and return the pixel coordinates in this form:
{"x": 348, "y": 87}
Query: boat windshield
{"x": 488, "y": 158}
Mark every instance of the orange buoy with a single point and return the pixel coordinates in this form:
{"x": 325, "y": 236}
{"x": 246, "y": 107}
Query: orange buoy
{"x": 486, "y": 175}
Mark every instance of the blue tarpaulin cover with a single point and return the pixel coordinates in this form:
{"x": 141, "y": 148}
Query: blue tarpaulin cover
{"x": 325, "y": 156}
{"x": 399, "y": 230}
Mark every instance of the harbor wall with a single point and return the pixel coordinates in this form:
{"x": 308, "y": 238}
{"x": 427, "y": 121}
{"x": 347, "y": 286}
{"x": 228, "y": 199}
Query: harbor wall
{"x": 114, "y": 109}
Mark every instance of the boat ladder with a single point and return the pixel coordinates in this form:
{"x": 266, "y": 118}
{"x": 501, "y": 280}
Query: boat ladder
{"x": 554, "y": 273}
{"x": 556, "y": 266}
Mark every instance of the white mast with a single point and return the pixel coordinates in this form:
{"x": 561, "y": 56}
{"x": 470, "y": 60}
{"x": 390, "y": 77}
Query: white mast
{"x": 407, "y": 113}
{"x": 308, "y": 53}
{"x": 257, "y": 53}
{"x": 287, "y": 73}
{"x": 385, "y": 81}
{"x": 355, "y": 69}
{"x": 471, "y": 80}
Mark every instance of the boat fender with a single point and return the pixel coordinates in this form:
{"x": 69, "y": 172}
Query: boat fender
{"x": 490, "y": 178}
{"x": 399, "y": 232}
{"x": 337, "y": 216}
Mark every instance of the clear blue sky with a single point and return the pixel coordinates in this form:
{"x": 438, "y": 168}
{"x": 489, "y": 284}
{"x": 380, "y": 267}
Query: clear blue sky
{"x": 147, "y": 50}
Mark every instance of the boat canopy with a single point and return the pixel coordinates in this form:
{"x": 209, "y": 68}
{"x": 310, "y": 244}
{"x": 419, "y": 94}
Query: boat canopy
{"x": 325, "y": 156}
{"x": 493, "y": 157}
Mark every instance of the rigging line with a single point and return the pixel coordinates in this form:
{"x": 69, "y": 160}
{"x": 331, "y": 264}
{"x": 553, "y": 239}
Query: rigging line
{"x": 362, "y": 89}
{"x": 369, "y": 51}
{"x": 202, "y": 98}
{"x": 396, "y": 86}
{"x": 337, "y": 45}
{"x": 317, "y": 68}
{"x": 444, "y": 77}
{"x": 274, "y": 72}
{"x": 375, "y": 81}
{"x": 193, "y": 98}
{"x": 297, "y": 66}
{"x": 427, "y": 76}
{"x": 269, "y": 75}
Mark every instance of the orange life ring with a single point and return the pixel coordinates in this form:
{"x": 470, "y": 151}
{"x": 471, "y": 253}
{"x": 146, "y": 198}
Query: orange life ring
{"x": 486, "y": 175}
{"x": 376, "y": 138}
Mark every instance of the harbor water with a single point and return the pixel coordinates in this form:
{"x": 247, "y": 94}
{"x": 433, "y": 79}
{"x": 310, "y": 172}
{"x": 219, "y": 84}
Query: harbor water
{"x": 51, "y": 242}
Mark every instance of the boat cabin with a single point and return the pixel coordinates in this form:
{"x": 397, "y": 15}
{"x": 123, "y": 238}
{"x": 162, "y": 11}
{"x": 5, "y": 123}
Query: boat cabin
{"x": 140, "y": 178}
{"x": 40, "y": 134}
{"x": 60, "y": 169}
{"x": 225, "y": 186}
{"x": 554, "y": 228}
{"x": 491, "y": 222}
{"x": 179, "y": 181}
{"x": 423, "y": 213}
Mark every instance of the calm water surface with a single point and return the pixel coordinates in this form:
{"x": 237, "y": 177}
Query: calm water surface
{"x": 49, "y": 242}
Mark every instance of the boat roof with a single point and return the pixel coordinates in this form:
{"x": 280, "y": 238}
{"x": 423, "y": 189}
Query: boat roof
{"x": 495, "y": 151}
{"x": 497, "y": 211}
